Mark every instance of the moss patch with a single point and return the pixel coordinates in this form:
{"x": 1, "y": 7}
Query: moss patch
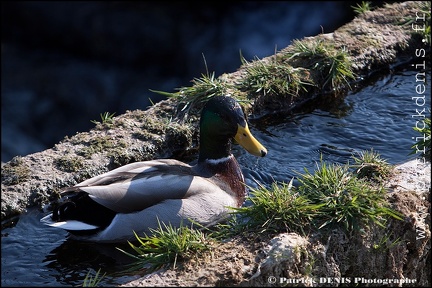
{"x": 101, "y": 144}
{"x": 69, "y": 164}
{"x": 15, "y": 171}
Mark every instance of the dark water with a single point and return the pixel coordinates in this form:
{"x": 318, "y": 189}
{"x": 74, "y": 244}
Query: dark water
{"x": 379, "y": 117}
{"x": 66, "y": 60}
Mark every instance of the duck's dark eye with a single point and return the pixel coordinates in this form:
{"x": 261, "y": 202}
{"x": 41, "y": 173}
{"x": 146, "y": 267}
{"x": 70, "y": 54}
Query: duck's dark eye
{"x": 244, "y": 134}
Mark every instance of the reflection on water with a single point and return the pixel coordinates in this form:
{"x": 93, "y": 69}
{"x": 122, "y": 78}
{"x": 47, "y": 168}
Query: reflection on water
{"x": 37, "y": 255}
{"x": 378, "y": 117}
{"x": 71, "y": 257}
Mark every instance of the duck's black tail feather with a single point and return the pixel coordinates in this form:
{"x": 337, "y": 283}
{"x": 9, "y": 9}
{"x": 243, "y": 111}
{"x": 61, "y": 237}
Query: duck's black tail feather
{"x": 81, "y": 207}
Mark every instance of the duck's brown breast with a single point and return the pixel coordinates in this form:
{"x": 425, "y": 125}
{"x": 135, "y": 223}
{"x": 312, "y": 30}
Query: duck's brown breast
{"x": 228, "y": 173}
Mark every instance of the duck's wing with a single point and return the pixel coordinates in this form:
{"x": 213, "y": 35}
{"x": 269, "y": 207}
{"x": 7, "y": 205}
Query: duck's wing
{"x": 139, "y": 185}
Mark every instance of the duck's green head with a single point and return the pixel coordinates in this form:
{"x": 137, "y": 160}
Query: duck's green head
{"x": 222, "y": 119}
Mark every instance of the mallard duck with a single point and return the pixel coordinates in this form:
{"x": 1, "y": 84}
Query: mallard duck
{"x": 142, "y": 195}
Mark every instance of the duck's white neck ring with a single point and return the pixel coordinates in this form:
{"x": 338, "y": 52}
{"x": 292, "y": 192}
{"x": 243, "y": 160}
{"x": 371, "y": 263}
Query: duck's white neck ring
{"x": 220, "y": 160}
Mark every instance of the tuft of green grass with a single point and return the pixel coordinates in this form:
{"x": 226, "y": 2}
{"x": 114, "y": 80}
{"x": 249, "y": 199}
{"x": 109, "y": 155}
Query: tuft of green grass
{"x": 423, "y": 144}
{"x": 279, "y": 208}
{"x": 362, "y": 7}
{"x": 273, "y": 78}
{"x": 106, "y": 118}
{"x": 202, "y": 89}
{"x": 90, "y": 281}
{"x": 370, "y": 165}
{"x": 421, "y": 21}
{"x": 168, "y": 245}
{"x": 344, "y": 198}
{"x": 333, "y": 65}
{"x": 385, "y": 243}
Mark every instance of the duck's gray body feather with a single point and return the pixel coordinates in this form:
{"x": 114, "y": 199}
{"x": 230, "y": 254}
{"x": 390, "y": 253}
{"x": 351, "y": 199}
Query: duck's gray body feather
{"x": 147, "y": 194}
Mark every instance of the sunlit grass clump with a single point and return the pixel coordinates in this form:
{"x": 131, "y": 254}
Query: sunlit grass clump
{"x": 106, "y": 117}
{"x": 202, "y": 89}
{"x": 362, "y": 7}
{"x": 370, "y": 165}
{"x": 168, "y": 245}
{"x": 421, "y": 21}
{"x": 333, "y": 65}
{"x": 273, "y": 78}
{"x": 346, "y": 200}
{"x": 277, "y": 208}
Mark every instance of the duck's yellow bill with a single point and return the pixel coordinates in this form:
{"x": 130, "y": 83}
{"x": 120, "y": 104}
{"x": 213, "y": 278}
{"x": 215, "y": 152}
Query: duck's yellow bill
{"x": 248, "y": 142}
